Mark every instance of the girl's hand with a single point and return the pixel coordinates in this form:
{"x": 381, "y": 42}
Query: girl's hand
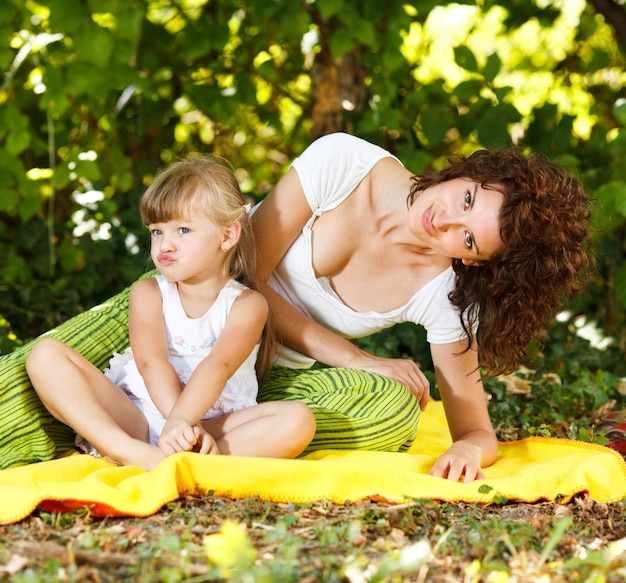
{"x": 461, "y": 460}
{"x": 177, "y": 436}
{"x": 404, "y": 371}
{"x": 205, "y": 443}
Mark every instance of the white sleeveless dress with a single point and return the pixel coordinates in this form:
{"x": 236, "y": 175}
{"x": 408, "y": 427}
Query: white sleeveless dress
{"x": 190, "y": 340}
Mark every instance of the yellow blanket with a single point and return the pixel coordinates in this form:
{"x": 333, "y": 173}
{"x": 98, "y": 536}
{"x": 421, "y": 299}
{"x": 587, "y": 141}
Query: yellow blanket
{"x": 528, "y": 470}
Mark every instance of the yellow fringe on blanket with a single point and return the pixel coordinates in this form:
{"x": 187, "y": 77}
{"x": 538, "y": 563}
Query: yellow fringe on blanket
{"x": 529, "y": 470}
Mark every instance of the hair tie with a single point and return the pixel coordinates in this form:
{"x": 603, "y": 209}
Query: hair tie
{"x": 247, "y": 207}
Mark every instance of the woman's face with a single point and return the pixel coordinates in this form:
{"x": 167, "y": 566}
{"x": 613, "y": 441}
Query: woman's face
{"x": 458, "y": 219}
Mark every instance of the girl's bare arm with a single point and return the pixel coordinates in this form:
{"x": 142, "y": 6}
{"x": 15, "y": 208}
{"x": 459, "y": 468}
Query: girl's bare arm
{"x": 149, "y": 343}
{"x": 241, "y": 333}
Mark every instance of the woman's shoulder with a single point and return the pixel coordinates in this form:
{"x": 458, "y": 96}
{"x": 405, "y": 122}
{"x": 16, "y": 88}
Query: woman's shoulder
{"x": 333, "y": 165}
{"x": 345, "y": 145}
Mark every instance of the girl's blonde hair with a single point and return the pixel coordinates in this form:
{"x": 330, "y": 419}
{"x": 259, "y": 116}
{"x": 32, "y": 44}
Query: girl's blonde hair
{"x": 206, "y": 184}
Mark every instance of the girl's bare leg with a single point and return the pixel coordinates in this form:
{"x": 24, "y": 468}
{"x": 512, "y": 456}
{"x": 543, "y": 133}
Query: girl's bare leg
{"x": 79, "y": 395}
{"x": 279, "y": 429}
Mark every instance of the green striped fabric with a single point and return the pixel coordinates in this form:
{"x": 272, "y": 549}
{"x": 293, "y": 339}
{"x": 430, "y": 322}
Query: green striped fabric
{"x": 28, "y": 432}
{"x": 353, "y": 409}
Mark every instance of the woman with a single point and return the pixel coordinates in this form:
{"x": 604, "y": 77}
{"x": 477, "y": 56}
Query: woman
{"x": 349, "y": 242}
{"x": 480, "y": 254}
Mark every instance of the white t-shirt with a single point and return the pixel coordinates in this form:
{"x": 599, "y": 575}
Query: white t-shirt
{"x": 329, "y": 171}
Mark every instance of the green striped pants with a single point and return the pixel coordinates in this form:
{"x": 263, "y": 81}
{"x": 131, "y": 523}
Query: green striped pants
{"x": 28, "y": 433}
{"x": 353, "y": 409}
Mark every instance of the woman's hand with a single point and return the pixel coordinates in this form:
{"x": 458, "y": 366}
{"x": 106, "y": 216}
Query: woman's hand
{"x": 461, "y": 460}
{"x": 404, "y": 371}
{"x": 460, "y": 386}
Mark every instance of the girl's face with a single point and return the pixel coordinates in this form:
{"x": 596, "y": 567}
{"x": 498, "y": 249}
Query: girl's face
{"x": 188, "y": 249}
{"x": 458, "y": 219}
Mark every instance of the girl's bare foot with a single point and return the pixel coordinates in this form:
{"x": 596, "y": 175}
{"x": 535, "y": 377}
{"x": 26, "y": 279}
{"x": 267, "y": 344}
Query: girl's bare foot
{"x": 139, "y": 454}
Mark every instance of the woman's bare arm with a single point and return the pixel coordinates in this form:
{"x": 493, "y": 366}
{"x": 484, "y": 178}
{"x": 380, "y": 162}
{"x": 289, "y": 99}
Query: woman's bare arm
{"x": 277, "y": 223}
{"x": 474, "y": 441}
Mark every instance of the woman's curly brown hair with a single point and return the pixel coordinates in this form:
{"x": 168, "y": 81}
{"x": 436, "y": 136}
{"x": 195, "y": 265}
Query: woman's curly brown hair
{"x": 544, "y": 230}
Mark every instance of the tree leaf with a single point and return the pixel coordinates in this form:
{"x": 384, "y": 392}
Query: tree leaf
{"x": 18, "y": 141}
{"x": 620, "y": 285}
{"x": 435, "y": 122}
{"x": 465, "y": 58}
{"x": 8, "y": 198}
{"x": 328, "y": 8}
{"x": 341, "y": 43}
{"x": 492, "y": 67}
{"x": 468, "y": 90}
{"x": 94, "y": 44}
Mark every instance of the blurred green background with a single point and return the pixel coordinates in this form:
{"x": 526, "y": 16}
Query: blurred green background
{"x": 97, "y": 95}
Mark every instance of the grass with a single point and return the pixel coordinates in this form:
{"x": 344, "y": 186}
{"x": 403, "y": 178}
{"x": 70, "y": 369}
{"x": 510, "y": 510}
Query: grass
{"x": 257, "y": 541}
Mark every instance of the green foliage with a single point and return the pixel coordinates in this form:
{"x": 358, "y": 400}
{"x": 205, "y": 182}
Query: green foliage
{"x": 97, "y": 95}
{"x": 561, "y": 385}
{"x": 567, "y": 384}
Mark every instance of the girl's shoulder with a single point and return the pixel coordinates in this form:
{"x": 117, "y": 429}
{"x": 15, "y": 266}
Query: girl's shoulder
{"x": 249, "y": 306}
{"x": 236, "y": 286}
{"x": 240, "y": 292}
{"x": 144, "y": 286}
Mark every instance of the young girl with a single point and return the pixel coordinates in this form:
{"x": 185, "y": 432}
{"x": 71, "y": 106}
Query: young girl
{"x": 198, "y": 339}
